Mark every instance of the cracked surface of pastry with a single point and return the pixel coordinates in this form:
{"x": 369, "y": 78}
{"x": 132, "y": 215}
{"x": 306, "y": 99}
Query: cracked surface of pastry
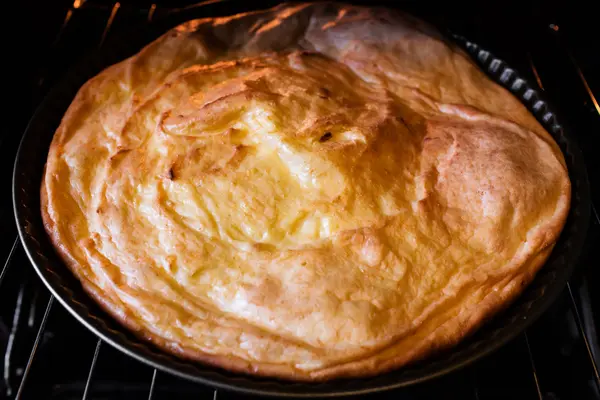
{"x": 309, "y": 192}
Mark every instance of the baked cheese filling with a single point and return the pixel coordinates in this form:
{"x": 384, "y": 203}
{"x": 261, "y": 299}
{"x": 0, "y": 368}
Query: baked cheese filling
{"x": 308, "y": 192}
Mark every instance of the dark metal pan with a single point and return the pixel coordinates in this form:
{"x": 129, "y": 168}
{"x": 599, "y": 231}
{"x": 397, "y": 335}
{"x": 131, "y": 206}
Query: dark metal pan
{"x": 537, "y": 297}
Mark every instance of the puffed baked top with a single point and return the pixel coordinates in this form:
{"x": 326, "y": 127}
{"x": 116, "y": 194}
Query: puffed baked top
{"x": 308, "y": 192}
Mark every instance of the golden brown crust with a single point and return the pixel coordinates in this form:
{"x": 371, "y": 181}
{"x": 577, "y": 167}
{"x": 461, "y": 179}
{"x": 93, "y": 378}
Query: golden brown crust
{"x": 308, "y": 192}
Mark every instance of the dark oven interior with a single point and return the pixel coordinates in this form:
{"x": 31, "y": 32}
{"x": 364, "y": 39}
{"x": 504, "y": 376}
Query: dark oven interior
{"x": 48, "y": 354}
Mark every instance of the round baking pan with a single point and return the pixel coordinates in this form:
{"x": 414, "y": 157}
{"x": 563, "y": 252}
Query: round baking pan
{"x": 537, "y": 297}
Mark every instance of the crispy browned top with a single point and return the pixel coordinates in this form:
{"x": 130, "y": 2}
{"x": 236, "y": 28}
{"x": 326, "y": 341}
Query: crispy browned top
{"x": 310, "y": 191}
